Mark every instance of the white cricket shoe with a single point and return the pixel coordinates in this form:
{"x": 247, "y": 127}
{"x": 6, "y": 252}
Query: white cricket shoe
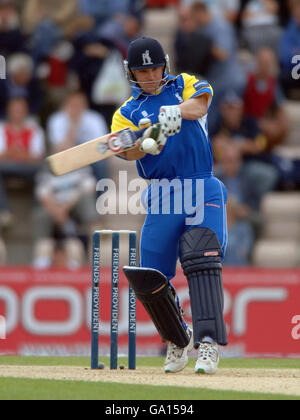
{"x": 177, "y": 358}
{"x": 208, "y": 359}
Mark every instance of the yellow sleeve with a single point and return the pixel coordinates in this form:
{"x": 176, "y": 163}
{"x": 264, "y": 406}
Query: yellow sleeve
{"x": 194, "y": 87}
{"x": 119, "y": 122}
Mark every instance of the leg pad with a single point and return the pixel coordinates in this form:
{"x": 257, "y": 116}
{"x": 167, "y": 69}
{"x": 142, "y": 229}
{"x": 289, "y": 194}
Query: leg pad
{"x": 153, "y": 289}
{"x": 200, "y": 255}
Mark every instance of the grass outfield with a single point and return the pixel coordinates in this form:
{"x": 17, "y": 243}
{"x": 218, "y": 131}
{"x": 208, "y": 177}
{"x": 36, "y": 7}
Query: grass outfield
{"x": 42, "y": 389}
{"x": 149, "y": 361}
{"x": 28, "y": 389}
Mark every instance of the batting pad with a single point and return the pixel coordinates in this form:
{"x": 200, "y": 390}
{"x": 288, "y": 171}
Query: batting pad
{"x": 200, "y": 255}
{"x": 152, "y": 288}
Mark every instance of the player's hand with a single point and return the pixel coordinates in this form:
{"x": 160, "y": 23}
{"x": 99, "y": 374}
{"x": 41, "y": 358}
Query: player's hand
{"x": 144, "y": 123}
{"x": 170, "y": 119}
{"x": 158, "y": 140}
{"x": 155, "y": 133}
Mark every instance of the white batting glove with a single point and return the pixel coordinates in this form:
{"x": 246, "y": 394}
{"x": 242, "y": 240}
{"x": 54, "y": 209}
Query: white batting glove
{"x": 170, "y": 119}
{"x": 155, "y": 133}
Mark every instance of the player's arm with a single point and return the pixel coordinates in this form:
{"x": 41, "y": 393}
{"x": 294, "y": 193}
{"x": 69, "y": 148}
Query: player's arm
{"x": 155, "y": 133}
{"x": 152, "y": 140}
{"x": 197, "y": 97}
{"x": 195, "y": 108}
{"x": 120, "y": 122}
{"x": 133, "y": 154}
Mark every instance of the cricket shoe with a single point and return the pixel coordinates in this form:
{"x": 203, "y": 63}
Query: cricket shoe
{"x": 208, "y": 358}
{"x": 177, "y": 357}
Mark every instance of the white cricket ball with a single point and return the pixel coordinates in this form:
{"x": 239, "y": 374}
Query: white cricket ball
{"x": 149, "y": 145}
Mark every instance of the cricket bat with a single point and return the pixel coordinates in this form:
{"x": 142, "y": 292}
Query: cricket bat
{"x": 93, "y": 151}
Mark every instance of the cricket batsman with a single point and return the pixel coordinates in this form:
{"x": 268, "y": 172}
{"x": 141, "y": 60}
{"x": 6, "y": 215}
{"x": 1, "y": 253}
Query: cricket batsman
{"x": 177, "y": 149}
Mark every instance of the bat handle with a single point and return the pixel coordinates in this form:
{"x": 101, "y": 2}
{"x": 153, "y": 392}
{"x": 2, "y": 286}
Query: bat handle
{"x": 138, "y": 134}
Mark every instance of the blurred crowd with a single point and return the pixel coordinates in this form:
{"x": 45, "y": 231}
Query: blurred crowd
{"x": 64, "y": 79}
{"x": 245, "y": 49}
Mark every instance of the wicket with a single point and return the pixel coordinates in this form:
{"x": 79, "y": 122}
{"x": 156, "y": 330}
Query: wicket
{"x": 114, "y": 323}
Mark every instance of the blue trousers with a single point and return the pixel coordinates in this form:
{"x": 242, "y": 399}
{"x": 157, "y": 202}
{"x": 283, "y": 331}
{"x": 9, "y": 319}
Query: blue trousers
{"x": 163, "y": 227}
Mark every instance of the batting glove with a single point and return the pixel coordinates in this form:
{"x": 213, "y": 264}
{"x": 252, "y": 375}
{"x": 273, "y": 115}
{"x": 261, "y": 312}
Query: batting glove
{"x": 154, "y": 132}
{"x": 170, "y": 119}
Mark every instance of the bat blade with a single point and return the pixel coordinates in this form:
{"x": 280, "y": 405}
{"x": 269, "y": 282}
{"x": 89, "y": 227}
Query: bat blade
{"x": 93, "y": 151}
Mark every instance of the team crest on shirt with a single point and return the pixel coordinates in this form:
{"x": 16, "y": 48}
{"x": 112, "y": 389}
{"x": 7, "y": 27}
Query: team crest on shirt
{"x": 146, "y": 58}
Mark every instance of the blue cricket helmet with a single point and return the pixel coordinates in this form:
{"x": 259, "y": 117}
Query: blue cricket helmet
{"x": 145, "y": 53}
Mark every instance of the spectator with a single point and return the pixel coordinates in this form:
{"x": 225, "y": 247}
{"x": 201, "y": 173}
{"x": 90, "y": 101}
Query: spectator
{"x": 61, "y": 77}
{"x": 46, "y": 21}
{"x": 241, "y": 184}
{"x": 105, "y": 10}
{"x": 93, "y": 48}
{"x": 35, "y": 11}
{"x": 192, "y": 49}
{"x": 21, "y": 82}
{"x": 118, "y": 22}
{"x": 11, "y": 38}
{"x": 66, "y": 210}
{"x": 225, "y": 9}
{"x": 90, "y": 52}
{"x": 263, "y": 99}
{"x": 260, "y": 22}
{"x": 22, "y": 148}
{"x": 221, "y": 9}
{"x": 59, "y": 80}
{"x": 76, "y": 124}
{"x": 244, "y": 133}
{"x": 240, "y": 236}
{"x": 279, "y": 171}
{"x": 289, "y": 49}
{"x": 225, "y": 69}
{"x": 122, "y": 30}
